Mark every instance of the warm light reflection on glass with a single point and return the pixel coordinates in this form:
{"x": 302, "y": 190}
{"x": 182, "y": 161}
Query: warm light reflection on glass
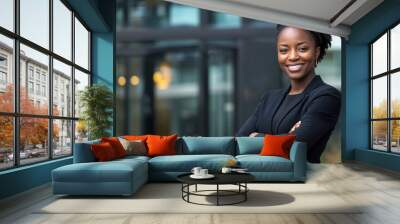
{"x": 163, "y": 76}
{"x": 135, "y": 80}
{"x": 121, "y": 81}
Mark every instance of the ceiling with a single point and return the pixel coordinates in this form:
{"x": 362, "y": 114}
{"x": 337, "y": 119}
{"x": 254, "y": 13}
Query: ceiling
{"x": 327, "y": 16}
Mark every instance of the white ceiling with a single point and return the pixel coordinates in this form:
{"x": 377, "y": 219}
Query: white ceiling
{"x": 324, "y": 16}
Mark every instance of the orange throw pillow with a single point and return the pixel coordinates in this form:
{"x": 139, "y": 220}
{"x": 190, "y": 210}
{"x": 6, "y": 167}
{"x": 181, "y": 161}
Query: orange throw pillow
{"x": 161, "y": 145}
{"x": 135, "y": 137}
{"x": 116, "y": 145}
{"x": 277, "y": 145}
{"x": 103, "y": 152}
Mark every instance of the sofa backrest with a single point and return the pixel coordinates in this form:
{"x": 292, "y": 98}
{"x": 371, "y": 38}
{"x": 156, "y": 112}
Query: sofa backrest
{"x": 249, "y": 145}
{"x": 206, "y": 145}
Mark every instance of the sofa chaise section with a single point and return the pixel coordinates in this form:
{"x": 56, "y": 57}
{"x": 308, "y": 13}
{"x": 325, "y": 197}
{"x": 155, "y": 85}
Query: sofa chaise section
{"x": 87, "y": 177}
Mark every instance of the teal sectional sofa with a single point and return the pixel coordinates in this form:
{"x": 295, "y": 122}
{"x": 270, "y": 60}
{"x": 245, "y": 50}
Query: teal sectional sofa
{"x": 125, "y": 176}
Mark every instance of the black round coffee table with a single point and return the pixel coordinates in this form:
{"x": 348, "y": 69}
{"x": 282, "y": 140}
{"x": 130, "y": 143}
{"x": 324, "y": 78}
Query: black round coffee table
{"x": 238, "y": 179}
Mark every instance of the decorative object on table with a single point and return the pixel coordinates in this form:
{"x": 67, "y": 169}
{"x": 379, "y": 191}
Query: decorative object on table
{"x": 200, "y": 173}
{"x": 229, "y": 165}
{"x": 226, "y": 170}
{"x": 196, "y": 170}
{"x": 237, "y": 170}
{"x": 232, "y": 163}
{"x": 96, "y": 102}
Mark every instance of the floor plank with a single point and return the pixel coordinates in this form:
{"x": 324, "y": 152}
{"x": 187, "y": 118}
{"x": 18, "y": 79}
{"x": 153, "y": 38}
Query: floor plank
{"x": 377, "y": 190}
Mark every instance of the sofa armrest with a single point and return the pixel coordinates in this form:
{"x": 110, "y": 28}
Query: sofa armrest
{"x": 298, "y": 155}
{"x": 83, "y": 152}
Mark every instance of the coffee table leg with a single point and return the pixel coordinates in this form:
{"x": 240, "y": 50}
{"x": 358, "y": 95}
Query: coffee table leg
{"x": 245, "y": 193}
{"x": 217, "y": 194}
{"x": 196, "y": 188}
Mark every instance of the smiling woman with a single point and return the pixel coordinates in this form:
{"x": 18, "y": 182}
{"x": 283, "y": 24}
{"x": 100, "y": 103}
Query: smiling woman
{"x": 308, "y": 108}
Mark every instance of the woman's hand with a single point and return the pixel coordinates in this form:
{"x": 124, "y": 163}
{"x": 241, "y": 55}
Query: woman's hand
{"x": 254, "y": 134}
{"x": 295, "y": 126}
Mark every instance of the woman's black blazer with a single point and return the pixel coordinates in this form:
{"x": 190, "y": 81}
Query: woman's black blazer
{"x": 318, "y": 110}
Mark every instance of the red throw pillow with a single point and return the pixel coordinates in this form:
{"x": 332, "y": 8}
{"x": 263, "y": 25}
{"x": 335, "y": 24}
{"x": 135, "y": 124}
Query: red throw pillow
{"x": 103, "y": 152}
{"x": 277, "y": 145}
{"x": 135, "y": 137}
{"x": 116, "y": 145}
{"x": 161, "y": 145}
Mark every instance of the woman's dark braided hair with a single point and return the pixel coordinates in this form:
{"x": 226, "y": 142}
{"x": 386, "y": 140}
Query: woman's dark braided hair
{"x": 323, "y": 41}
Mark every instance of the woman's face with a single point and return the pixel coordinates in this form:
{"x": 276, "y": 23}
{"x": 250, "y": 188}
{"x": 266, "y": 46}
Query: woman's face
{"x": 297, "y": 52}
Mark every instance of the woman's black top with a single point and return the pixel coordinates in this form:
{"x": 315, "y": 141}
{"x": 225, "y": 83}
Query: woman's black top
{"x": 289, "y": 99}
{"x": 317, "y": 108}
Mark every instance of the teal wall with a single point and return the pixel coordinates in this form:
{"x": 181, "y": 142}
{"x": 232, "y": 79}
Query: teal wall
{"x": 356, "y": 82}
{"x": 99, "y": 15}
{"x": 24, "y": 178}
{"x": 103, "y": 64}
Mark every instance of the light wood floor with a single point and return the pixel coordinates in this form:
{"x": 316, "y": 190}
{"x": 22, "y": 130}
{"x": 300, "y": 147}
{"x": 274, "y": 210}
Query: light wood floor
{"x": 378, "y": 188}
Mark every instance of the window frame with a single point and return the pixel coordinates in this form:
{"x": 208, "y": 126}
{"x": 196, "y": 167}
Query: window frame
{"x": 388, "y": 74}
{"x": 16, "y": 114}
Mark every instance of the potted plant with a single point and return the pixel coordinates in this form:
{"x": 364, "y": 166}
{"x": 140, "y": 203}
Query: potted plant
{"x": 96, "y": 103}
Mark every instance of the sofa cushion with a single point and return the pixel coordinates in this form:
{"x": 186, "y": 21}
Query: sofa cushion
{"x": 161, "y": 145}
{"x": 135, "y": 137}
{"x": 103, "y": 152}
{"x": 207, "y": 145}
{"x": 112, "y": 171}
{"x": 185, "y": 163}
{"x": 277, "y": 145}
{"x": 116, "y": 145}
{"x": 257, "y": 163}
{"x": 249, "y": 145}
{"x": 134, "y": 147}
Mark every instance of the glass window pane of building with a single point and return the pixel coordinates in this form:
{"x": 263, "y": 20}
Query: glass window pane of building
{"x": 34, "y": 21}
{"x": 379, "y": 56}
{"x": 379, "y": 98}
{"x": 157, "y": 14}
{"x": 6, "y": 142}
{"x": 130, "y": 84}
{"x": 81, "y": 131}
{"x": 223, "y": 20}
{"x": 62, "y": 89}
{"x": 395, "y": 95}
{"x": 395, "y": 47}
{"x": 7, "y": 14}
{"x": 221, "y": 87}
{"x": 62, "y": 29}
{"x": 182, "y": 15}
{"x": 395, "y": 136}
{"x": 6, "y": 74}
{"x": 62, "y": 138}
{"x": 379, "y": 135}
{"x": 81, "y": 82}
{"x": 176, "y": 79}
{"x": 33, "y": 140}
{"x": 81, "y": 45}
{"x": 37, "y": 103}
